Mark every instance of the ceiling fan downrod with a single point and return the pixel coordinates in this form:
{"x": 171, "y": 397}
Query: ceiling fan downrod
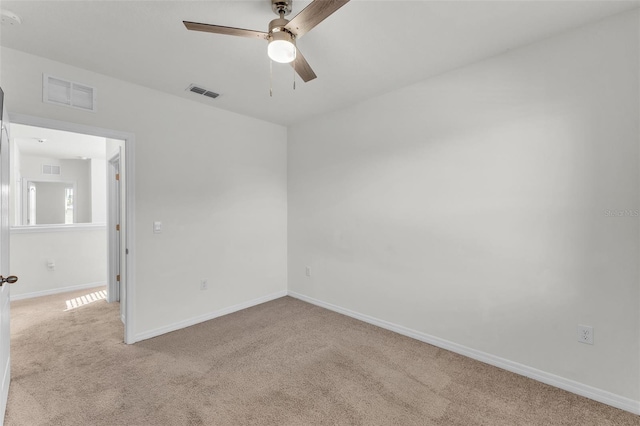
{"x": 281, "y": 8}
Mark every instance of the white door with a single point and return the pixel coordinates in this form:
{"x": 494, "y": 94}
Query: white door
{"x": 116, "y": 280}
{"x": 5, "y": 279}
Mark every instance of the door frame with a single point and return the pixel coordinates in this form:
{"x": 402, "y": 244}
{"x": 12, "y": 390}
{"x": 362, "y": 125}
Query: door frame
{"x": 128, "y": 229}
{"x": 114, "y": 253}
{"x": 5, "y": 290}
{"x": 113, "y": 206}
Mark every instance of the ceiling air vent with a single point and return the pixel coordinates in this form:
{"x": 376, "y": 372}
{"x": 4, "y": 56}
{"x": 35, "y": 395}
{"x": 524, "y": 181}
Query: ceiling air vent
{"x": 201, "y": 91}
{"x": 68, "y": 93}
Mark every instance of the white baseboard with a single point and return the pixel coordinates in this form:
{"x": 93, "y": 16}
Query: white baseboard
{"x": 209, "y": 316}
{"x": 55, "y": 291}
{"x": 572, "y": 386}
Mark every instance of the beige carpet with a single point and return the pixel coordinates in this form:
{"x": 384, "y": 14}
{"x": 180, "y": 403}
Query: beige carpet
{"x": 281, "y": 363}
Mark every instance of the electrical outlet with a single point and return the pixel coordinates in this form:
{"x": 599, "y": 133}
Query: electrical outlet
{"x": 307, "y": 271}
{"x": 204, "y": 284}
{"x": 585, "y": 334}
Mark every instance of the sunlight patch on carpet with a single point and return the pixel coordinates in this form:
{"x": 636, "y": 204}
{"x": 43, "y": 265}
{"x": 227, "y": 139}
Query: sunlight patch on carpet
{"x": 86, "y": 299}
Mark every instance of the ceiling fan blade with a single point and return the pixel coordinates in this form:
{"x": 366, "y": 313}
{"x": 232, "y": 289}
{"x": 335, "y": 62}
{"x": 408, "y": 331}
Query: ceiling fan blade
{"x": 302, "y": 67}
{"x": 219, "y": 29}
{"x": 316, "y": 12}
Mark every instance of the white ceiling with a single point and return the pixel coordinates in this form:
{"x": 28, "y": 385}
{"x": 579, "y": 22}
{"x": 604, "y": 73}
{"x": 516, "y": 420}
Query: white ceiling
{"x": 364, "y": 49}
{"x": 56, "y": 143}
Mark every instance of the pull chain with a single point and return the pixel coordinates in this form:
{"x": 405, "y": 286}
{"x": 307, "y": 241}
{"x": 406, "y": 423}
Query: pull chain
{"x": 294, "y": 73}
{"x": 270, "y": 78}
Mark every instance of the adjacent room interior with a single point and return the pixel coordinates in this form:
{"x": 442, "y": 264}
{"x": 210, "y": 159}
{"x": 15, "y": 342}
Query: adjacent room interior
{"x": 469, "y": 184}
{"x": 58, "y": 178}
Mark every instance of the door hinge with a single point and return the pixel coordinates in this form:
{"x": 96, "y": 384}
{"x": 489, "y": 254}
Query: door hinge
{"x": 117, "y": 176}
{"x": 118, "y": 277}
{"x": 117, "y": 227}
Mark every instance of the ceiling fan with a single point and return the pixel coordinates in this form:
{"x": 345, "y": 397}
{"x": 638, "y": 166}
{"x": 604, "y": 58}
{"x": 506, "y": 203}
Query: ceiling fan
{"x": 282, "y": 34}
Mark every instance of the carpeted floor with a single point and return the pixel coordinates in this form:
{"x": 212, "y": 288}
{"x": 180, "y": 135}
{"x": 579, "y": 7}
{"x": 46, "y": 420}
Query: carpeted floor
{"x": 281, "y": 363}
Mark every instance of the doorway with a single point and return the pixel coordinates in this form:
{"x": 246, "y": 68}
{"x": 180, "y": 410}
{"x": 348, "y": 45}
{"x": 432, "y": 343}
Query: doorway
{"x": 117, "y": 206}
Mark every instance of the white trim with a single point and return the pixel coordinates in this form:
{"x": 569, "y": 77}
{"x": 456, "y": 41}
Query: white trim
{"x": 572, "y": 386}
{"x": 638, "y": 283}
{"x": 31, "y": 120}
{"x": 55, "y": 291}
{"x": 129, "y": 263}
{"x": 114, "y": 243}
{"x": 6, "y": 380}
{"x": 33, "y": 229}
{"x": 211, "y": 315}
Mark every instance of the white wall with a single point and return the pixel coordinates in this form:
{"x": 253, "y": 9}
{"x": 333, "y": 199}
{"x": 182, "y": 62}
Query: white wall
{"x": 15, "y": 198}
{"x": 50, "y": 202}
{"x": 98, "y": 190}
{"x": 217, "y": 181}
{"x": 82, "y": 202}
{"x": 473, "y": 206}
{"x": 79, "y": 258}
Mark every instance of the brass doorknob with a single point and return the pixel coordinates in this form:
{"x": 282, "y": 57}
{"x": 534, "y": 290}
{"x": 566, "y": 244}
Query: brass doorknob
{"x": 10, "y": 279}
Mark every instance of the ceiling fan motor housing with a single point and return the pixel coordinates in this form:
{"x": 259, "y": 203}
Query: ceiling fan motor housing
{"x": 277, "y": 31}
{"x": 277, "y": 25}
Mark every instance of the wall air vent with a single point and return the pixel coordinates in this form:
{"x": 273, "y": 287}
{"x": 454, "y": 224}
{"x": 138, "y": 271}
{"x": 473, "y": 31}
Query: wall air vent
{"x": 201, "y": 91}
{"x": 68, "y": 93}
{"x": 50, "y": 169}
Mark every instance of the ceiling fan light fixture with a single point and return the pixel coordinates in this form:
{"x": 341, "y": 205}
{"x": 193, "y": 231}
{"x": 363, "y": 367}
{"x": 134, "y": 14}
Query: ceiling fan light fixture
{"x": 281, "y": 47}
{"x": 282, "y": 34}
